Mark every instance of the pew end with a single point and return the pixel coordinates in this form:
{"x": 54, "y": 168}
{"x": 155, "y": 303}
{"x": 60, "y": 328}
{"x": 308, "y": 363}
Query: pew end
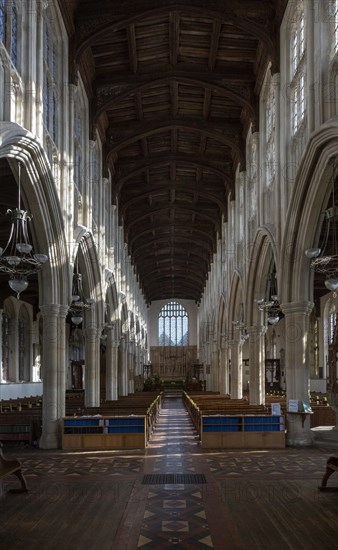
{"x": 331, "y": 467}
{"x": 12, "y": 466}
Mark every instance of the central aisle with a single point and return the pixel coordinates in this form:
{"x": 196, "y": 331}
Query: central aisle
{"x": 172, "y": 505}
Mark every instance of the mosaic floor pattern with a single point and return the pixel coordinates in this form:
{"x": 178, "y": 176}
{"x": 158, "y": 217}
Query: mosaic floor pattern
{"x": 174, "y": 514}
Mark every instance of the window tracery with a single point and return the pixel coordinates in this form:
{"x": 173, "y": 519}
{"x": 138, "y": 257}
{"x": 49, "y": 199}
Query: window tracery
{"x": 173, "y": 325}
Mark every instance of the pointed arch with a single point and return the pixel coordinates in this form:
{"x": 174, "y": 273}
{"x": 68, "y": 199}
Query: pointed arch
{"x": 236, "y": 297}
{"x": 43, "y": 203}
{"x": 263, "y": 255}
{"x": 309, "y": 198}
{"x": 89, "y": 265}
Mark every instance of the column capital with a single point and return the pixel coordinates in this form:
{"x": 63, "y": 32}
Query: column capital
{"x": 223, "y": 341}
{"x": 256, "y": 331}
{"x": 275, "y": 78}
{"x": 297, "y": 308}
{"x": 53, "y": 310}
{"x": 112, "y": 341}
{"x": 43, "y": 4}
{"x": 123, "y": 341}
{"x": 92, "y": 332}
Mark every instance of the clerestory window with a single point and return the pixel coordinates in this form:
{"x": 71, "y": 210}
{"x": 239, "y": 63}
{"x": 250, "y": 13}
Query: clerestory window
{"x": 270, "y": 127}
{"x": 333, "y": 18}
{"x": 50, "y": 90}
{"x": 9, "y": 29}
{"x": 297, "y": 83}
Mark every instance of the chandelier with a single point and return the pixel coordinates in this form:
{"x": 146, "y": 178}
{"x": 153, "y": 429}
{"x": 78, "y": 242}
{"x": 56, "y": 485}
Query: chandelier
{"x": 17, "y": 258}
{"x": 241, "y": 326}
{"x": 271, "y": 306}
{"x": 324, "y": 259}
{"x": 79, "y": 302}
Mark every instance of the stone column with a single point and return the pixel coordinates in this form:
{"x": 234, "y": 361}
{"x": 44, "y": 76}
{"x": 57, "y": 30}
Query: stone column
{"x": 223, "y": 380}
{"x": 227, "y": 366}
{"x": 297, "y": 322}
{"x": 131, "y": 367}
{"x": 2, "y": 377}
{"x": 236, "y": 369}
{"x": 257, "y": 365}
{"x": 111, "y": 365}
{"x": 123, "y": 367}
{"x": 137, "y": 361}
{"x": 92, "y": 367}
{"x": 53, "y": 367}
{"x": 214, "y": 367}
{"x": 14, "y": 348}
{"x": 62, "y": 362}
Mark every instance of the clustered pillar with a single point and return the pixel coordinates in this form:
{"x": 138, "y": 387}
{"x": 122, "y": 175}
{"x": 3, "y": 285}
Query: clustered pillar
{"x": 53, "y": 368}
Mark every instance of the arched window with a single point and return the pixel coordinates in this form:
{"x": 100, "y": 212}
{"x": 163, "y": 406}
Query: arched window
{"x": 9, "y": 29}
{"x": 50, "y": 89}
{"x": 270, "y": 133}
{"x": 298, "y": 55}
{"x": 332, "y": 8}
{"x": 14, "y": 36}
{"x": 2, "y": 21}
{"x": 332, "y": 321}
{"x": 173, "y": 325}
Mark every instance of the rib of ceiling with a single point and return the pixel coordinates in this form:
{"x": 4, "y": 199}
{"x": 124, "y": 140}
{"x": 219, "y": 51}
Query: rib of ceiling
{"x": 173, "y": 89}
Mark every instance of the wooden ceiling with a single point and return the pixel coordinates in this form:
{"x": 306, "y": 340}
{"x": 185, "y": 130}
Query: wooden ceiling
{"x": 173, "y": 90}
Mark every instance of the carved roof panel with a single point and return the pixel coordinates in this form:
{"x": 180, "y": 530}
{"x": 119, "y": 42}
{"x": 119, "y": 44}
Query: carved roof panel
{"x": 175, "y": 89}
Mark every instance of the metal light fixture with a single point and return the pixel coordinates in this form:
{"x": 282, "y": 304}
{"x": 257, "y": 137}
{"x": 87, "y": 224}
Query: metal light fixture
{"x": 17, "y": 258}
{"x": 241, "y": 326}
{"x": 324, "y": 259}
{"x": 271, "y": 306}
{"x": 79, "y": 303}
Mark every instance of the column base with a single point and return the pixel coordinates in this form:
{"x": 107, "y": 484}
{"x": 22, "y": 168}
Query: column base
{"x": 298, "y": 430}
{"x": 49, "y": 441}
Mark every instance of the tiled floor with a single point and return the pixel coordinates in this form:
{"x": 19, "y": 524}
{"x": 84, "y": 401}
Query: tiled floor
{"x": 252, "y": 499}
{"x": 255, "y": 499}
{"x": 175, "y": 515}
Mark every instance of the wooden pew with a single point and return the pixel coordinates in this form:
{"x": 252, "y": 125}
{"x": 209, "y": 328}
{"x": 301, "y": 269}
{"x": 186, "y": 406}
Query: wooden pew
{"x": 21, "y": 419}
{"x": 12, "y": 466}
{"x": 22, "y": 426}
{"x": 222, "y": 422}
{"x": 124, "y": 423}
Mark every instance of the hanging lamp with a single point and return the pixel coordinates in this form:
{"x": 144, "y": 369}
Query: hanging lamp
{"x": 17, "y": 257}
